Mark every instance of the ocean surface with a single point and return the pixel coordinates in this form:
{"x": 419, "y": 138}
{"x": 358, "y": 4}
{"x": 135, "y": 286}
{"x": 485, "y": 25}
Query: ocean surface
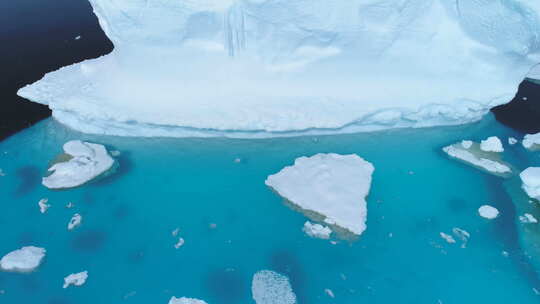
{"x": 126, "y": 245}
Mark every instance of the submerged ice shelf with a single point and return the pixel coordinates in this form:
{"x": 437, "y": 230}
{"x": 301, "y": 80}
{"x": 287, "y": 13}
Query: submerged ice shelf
{"x": 246, "y": 68}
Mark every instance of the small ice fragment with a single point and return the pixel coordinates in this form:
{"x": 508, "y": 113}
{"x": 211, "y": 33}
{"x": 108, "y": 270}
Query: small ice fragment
{"x": 316, "y": 230}
{"x": 115, "y": 153}
{"x": 512, "y": 141}
{"x": 175, "y": 232}
{"x": 2, "y": 173}
{"x": 237, "y": 160}
{"x": 343, "y": 276}
{"x": 488, "y": 212}
{"x": 75, "y": 221}
{"x": 329, "y": 292}
{"x": 491, "y": 144}
{"x": 78, "y": 37}
{"x": 70, "y": 205}
{"x": 447, "y": 238}
{"x": 528, "y": 218}
{"x": 269, "y": 287}
{"x": 505, "y": 253}
{"x": 183, "y": 300}
{"x": 180, "y": 243}
{"x": 524, "y": 98}
{"x": 75, "y": 279}
{"x": 26, "y": 259}
{"x": 212, "y": 225}
{"x": 43, "y": 206}
{"x": 463, "y": 235}
{"x": 466, "y": 144}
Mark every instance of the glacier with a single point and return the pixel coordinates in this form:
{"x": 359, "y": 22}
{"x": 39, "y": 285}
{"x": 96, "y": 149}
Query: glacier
{"x": 260, "y": 68}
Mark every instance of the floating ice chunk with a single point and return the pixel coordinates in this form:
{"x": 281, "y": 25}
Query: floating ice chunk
{"x": 183, "y": 300}
{"x": 70, "y": 205}
{"x": 180, "y": 243}
{"x": 512, "y": 141}
{"x": 450, "y": 239}
{"x": 75, "y": 279}
{"x": 87, "y": 161}
{"x": 316, "y": 230}
{"x": 78, "y": 37}
{"x": 26, "y": 259}
{"x": 489, "y": 212}
{"x": 531, "y": 141}
{"x": 2, "y": 173}
{"x": 115, "y": 153}
{"x": 530, "y": 179}
{"x": 175, "y": 232}
{"x": 491, "y": 144}
{"x": 329, "y": 292}
{"x": 463, "y": 235}
{"x": 75, "y": 221}
{"x": 43, "y": 206}
{"x": 474, "y": 156}
{"x": 528, "y": 218}
{"x": 331, "y": 185}
{"x": 269, "y": 287}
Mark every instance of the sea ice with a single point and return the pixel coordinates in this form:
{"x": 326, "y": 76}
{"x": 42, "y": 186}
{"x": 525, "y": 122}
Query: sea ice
{"x": 448, "y": 238}
{"x": 491, "y": 144}
{"x": 512, "y": 141}
{"x": 329, "y": 292}
{"x": 528, "y": 218}
{"x": 268, "y": 63}
{"x": 531, "y": 141}
{"x": 180, "y": 243}
{"x": 183, "y": 300}
{"x": 43, "y": 206}
{"x": 331, "y": 185}
{"x": 25, "y": 259}
{"x": 75, "y": 279}
{"x": 75, "y": 221}
{"x": 316, "y": 230}
{"x": 472, "y": 154}
{"x": 530, "y": 179}
{"x": 269, "y": 287}
{"x": 86, "y": 162}
{"x": 488, "y": 212}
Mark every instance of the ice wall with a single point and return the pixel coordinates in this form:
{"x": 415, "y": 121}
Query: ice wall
{"x": 253, "y": 68}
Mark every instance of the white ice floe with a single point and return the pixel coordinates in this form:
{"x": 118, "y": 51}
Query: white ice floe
{"x": 530, "y": 179}
{"x": 492, "y": 144}
{"x": 472, "y": 155}
{"x": 316, "y": 230}
{"x": 512, "y": 141}
{"x": 175, "y": 232}
{"x": 531, "y": 141}
{"x": 528, "y": 218}
{"x": 448, "y": 238}
{"x": 269, "y": 287}
{"x": 270, "y": 60}
{"x": 463, "y": 235}
{"x": 87, "y": 161}
{"x": 489, "y": 212}
{"x": 43, "y": 206}
{"x": 75, "y": 279}
{"x": 180, "y": 243}
{"x": 26, "y": 259}
{"x": 329, "y": 293}
{"x": 183, "y": 300}
{"x": 78, "y": 37}
{"x": 331, "y": 185}
{"x": 75, "y": 221}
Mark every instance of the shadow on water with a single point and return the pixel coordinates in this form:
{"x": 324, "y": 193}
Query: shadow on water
{"x": 286, "y": 263}
{"x": 227, "y": 285}
{"x": 88, "y": 241}
{"x": 29, "y": 178}
{"x": 124, "y": 166}
{"x": 458, "y": 205}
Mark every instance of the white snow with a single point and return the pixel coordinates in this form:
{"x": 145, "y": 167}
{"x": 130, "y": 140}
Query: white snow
{"x": 254, "y": 68}
{"x": 489, "y": 212}
{"x": 512, "y": 141}
{"x": 477, "y": 159}
{"x": 530, "y": 179}
{"x": 531, "y": 141}
{"x": 491, "y": 144}
{"x": 26, "y": 259}
{"x": 316, "y": 230}
{"x": 75, "y": 221}
{"x": 331, "y": 185}
{"x": 528, "y": 218}
{"x": 448, "y": 238}
{"x": 183, "y": 300}
{"x": 269, "y": 287}
{"x": 87, "y": 162}
{"x": 75, "y": 279}
{"x": 43, "y": 206}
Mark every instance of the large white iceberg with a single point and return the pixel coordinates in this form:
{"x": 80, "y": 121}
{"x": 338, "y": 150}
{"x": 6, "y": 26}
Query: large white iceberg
{"x": 269, "y": 287}
{"x": 26, "y": 259}
{"x": 530, "y": 179}
{"x": 332, "y": 186}
{"x": 280, "y": 67}
{"x": 86, "y": 162}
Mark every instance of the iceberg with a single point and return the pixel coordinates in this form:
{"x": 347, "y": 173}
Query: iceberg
{"x": 530, "y": 179}
{"x": 489, "y": 212}
{"x": 85, "y": 162}
{"x": 330, "y": 186}
{"x": 317, "y": 230}
{"x": 531, "y": 142}
{"x": 26, "y": 259}
{"x": 484, "y": 157}
{"x": 258, "y": 68}
{"x": 528, "y": 218}
{"x": 75, "y": 221}
{"x": 269, "y": 287}
{"x": 492, "y": 144}
{"x": 183, "y": 300}
{"x": 75, "y": 279}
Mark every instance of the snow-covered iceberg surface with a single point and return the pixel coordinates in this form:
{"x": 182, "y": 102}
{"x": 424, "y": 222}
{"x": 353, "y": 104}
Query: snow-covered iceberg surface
{"x": 484, "y": 156}
{"x": 26, "y": 259}
{"x": 85, "y": 162}
{"x": 530, "y": 179}
{"x": 184, "y": 300}
{"x": 328, "y": 186}
{"x": 269, "y": 287}
{"x": 279, "y": 67}
{"x": 531, "y": 142}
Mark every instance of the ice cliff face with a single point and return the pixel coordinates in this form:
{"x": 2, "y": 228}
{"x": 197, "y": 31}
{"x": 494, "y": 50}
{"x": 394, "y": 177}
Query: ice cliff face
{"x": 280, "y": 67}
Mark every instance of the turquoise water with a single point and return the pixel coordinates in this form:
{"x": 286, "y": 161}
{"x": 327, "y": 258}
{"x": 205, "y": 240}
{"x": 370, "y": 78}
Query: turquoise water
{"x": 125, "y": 240}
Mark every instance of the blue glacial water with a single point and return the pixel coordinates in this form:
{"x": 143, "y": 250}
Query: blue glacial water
{"x": 125, "y": 240}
